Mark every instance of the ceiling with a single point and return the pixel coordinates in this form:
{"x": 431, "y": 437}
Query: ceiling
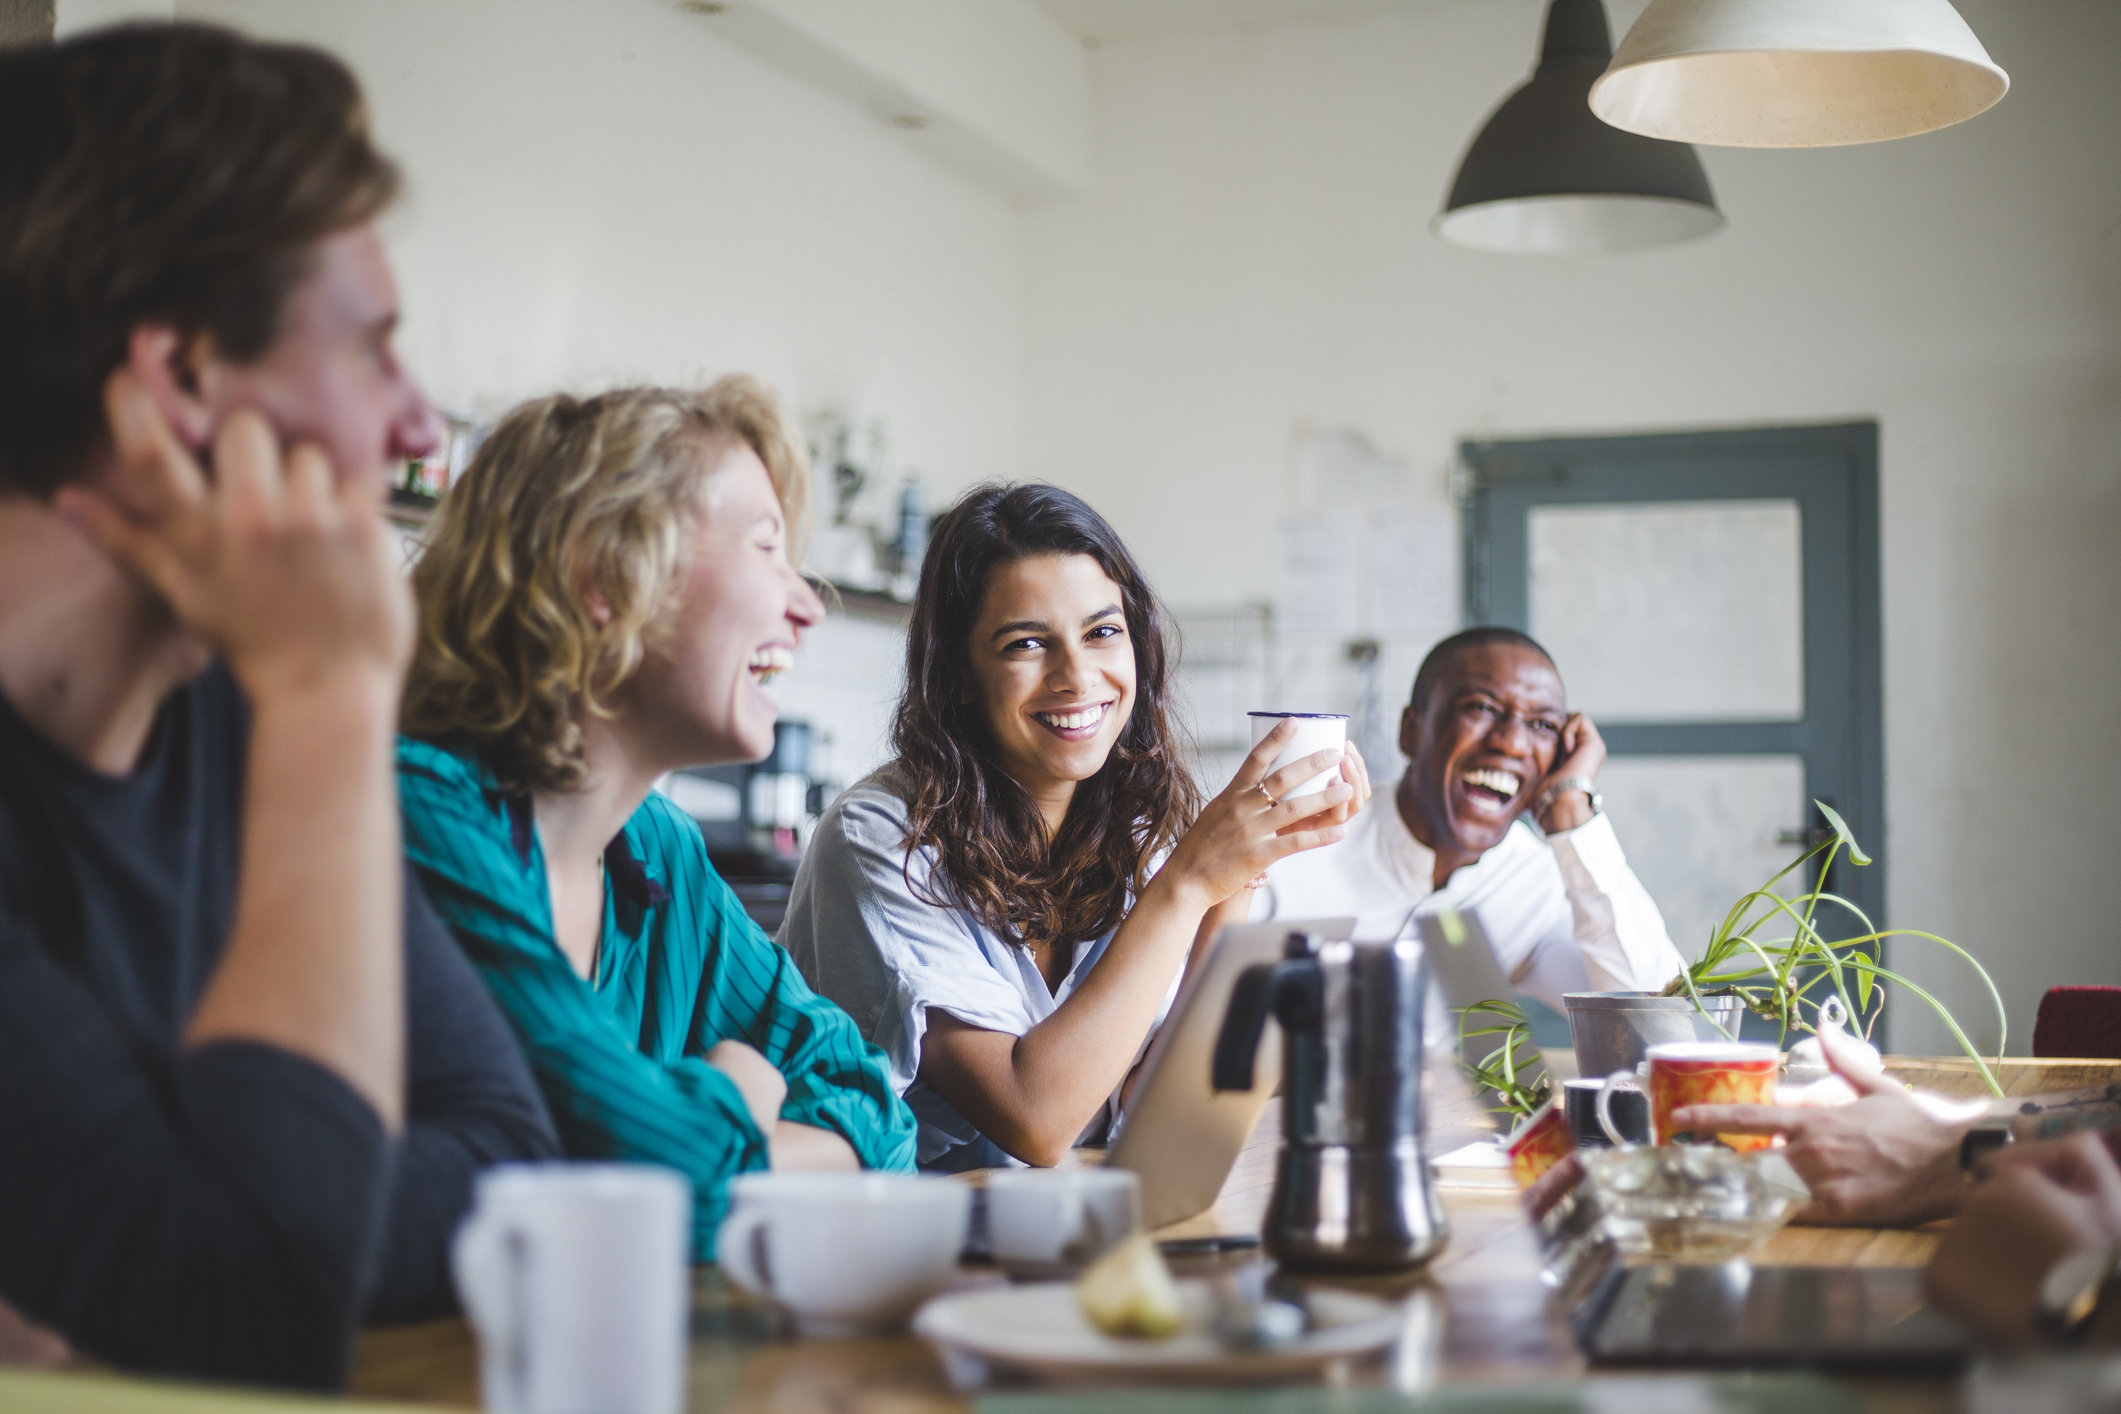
{"x": 1101, "y": 20}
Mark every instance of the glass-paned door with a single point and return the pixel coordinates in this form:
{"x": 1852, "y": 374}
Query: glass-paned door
{"x": 1712, "y": 602}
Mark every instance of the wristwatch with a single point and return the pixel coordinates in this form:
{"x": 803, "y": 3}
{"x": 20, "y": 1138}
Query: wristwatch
{"x": 1980, "y": 1141}
{"x": 2073, "y": 1291}
{"x": 1561, "y": 787}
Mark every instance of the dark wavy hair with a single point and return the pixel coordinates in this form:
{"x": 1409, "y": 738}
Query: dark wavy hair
{"x": 993, "y": 856}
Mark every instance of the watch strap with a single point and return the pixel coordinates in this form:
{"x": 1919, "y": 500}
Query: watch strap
{"x": 1979, "y": 1142}
{"x": 1562, "y": 787}
{"x": 2074, "y": 1290}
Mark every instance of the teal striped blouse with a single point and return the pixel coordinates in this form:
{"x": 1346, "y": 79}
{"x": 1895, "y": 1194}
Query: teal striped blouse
{"x": 679, "y": 968}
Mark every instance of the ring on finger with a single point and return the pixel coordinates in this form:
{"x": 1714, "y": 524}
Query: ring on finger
{"x": 1262, "y": 789}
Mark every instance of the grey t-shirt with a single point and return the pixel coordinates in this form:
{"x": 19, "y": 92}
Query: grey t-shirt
{"x": 864, "y": 935}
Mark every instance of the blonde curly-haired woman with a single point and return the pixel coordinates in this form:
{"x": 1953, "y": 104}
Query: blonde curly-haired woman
{"x": 604, "y": 598}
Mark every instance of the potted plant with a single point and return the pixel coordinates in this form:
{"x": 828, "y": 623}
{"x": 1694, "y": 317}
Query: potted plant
{"x": 1614, "y": 1030}
{"x": 1513, "y": 1073}
{"x": 1776, "y": 977}
{"x": 1780, "y": 977}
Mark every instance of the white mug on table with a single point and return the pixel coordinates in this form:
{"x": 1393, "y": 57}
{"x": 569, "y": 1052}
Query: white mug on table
{"x": 575, "y": 1277}
{"x": 1051, "y": 1222}
{"x": 1315, "y": 731}
{"x": 843, "y": 1253}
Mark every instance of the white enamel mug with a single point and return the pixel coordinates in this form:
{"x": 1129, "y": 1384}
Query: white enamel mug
{"x": 575, "y": 1277}
{"x": 1315, "y": 731}
{"x": 844, "y": 1253}
{"x": 1053, "y": 1222}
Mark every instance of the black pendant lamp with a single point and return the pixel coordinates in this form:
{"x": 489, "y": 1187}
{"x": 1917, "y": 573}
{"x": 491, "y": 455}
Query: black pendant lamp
{"x": 1546, "y": 177}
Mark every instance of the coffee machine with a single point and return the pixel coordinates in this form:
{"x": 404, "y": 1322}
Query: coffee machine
{"x": 1351, "y": 1188}
{"x": 756, "y": 817}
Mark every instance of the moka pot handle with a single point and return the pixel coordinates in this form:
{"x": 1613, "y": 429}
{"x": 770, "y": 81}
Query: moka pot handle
{"x": 1292, "y": 991}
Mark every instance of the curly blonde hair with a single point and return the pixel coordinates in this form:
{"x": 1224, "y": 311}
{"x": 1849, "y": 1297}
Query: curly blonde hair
{"x": 571, "y": 499}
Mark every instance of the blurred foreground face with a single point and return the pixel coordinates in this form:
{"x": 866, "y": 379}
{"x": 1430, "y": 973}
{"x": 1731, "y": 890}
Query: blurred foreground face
{"x": 332, "y": 377}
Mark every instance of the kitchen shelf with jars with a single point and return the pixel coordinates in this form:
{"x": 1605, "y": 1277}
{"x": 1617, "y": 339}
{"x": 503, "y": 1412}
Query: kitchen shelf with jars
{"x": 868, "y": 552}
{"x": 869, "y": 537}
{"x": 421, "y": 482}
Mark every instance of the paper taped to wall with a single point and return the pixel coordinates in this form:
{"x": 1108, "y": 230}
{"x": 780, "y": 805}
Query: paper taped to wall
{"x": 1410, "y": 571}
{"x": 1317, "y": 576}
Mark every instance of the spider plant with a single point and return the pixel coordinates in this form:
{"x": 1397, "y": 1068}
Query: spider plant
{"x": 1778, "y": 977}
{"x": 1518, "y": 1080}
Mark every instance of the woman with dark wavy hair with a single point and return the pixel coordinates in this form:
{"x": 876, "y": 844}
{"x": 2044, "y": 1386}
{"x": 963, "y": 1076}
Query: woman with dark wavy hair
{"x": 1007, "y": 906}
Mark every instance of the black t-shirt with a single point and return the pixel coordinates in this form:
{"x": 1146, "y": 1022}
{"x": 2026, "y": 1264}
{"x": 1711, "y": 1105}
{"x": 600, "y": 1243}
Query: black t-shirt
{"x": 233, "y": 1210}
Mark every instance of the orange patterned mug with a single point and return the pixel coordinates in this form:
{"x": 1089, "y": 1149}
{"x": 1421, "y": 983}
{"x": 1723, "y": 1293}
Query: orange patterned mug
{"x": 1541, "y": 1142}
{"x": 1686, "y": 1073}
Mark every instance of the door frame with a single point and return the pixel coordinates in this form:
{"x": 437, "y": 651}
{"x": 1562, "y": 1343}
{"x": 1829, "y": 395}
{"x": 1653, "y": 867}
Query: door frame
{"x": 1832, "y": 472}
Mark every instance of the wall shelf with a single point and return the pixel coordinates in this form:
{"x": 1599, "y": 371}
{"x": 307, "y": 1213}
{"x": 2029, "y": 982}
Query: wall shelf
{"x": 871, "y": 604}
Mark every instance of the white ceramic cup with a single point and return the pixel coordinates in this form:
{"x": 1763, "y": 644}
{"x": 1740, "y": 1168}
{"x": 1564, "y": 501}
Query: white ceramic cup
{"x": 1315, "y": 731}
{"x": 574, "y": 1276}
{"x": 1051, "y": 1222}
{"x": 844, "y": 1253}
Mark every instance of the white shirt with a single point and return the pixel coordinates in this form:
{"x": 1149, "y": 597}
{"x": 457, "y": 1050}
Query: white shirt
{"x": 865, "y": 929}
{"x": 1563, "y": 912}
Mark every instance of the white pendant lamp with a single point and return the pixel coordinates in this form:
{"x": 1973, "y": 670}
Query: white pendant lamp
{"x": 1796, "y": 73}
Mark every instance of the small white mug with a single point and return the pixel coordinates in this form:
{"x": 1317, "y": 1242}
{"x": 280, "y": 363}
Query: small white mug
{"x": 575, "y": 1277}
{"x": 844, "y": 1253}
{"x": 1053, "y": 1222}
{"x": 1315, "y": 731}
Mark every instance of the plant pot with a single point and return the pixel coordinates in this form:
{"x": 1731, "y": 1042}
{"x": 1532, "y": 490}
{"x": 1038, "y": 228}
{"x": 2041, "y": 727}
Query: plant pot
{"x": 1615, "y": 1030}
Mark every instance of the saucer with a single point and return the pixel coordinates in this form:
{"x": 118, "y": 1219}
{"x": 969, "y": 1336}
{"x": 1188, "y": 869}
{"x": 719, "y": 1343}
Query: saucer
{"x": 1040, "y": 1330}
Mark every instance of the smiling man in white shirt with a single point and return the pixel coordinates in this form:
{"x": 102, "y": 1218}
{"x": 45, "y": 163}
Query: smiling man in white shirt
{"x": 1489, "y": 740}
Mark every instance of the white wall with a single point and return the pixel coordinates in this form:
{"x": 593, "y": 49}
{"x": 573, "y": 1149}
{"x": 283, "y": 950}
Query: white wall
{"x": 73, "y": 16}
{"x": 997, "y": 89}
{"x": 1256, "y": 256}
{"x": 609, "y": 192}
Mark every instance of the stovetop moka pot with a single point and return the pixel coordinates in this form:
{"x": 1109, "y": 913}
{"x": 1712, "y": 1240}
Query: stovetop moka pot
{"x": 1351, "y": 1188}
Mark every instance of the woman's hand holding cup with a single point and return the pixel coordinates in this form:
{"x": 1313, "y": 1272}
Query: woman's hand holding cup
{"x": 1252, "y": 823}
{"x": 1355, "y": 772}
{"x": 1305, "y": 734}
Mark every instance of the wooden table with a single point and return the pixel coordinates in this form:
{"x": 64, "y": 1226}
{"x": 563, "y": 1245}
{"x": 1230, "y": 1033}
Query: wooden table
{"x": 1476, "y": 1314}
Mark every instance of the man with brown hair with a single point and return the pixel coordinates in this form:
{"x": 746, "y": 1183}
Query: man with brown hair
{"x": 245, "y": 1077}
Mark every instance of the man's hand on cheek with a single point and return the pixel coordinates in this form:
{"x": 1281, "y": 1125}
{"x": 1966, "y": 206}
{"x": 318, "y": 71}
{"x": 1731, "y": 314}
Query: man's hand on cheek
{"x": 1580, "y": 752}
{"x": 289, "y": 575}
